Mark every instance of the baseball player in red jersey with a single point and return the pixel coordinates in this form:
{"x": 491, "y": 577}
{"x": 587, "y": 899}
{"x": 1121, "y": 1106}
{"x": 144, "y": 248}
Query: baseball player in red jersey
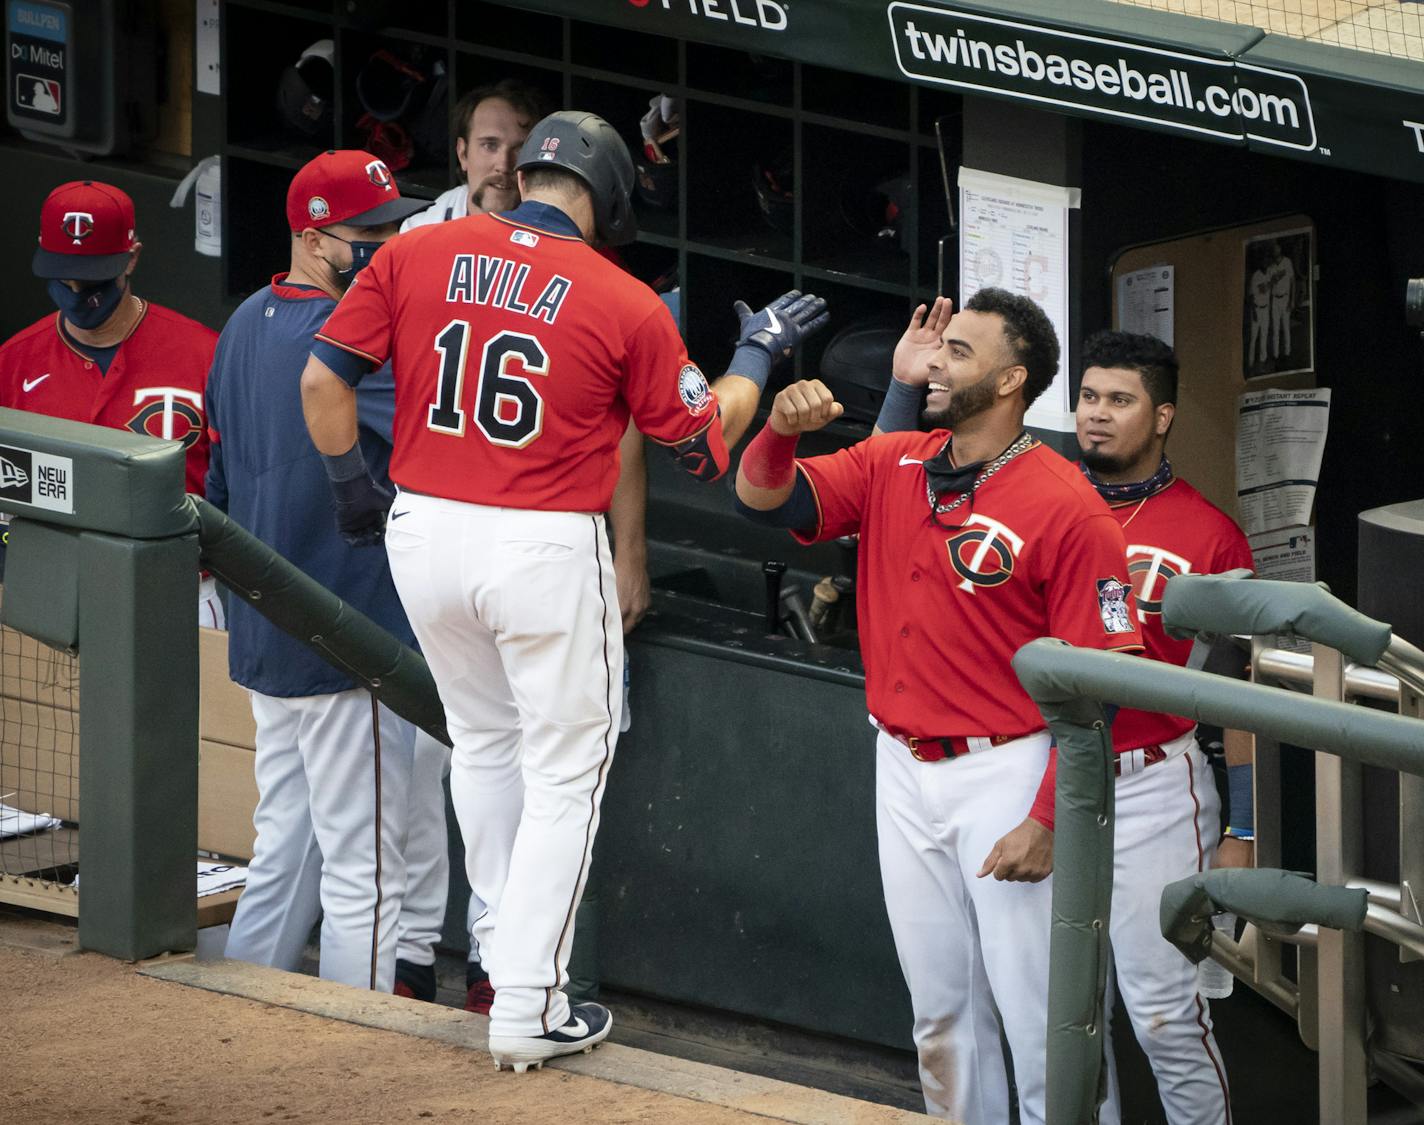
{"x": 108, "y": 357}
{"x": 974, "y": 540}
{"x": 519, "y": 355}
{"x": 1167, "y": 811}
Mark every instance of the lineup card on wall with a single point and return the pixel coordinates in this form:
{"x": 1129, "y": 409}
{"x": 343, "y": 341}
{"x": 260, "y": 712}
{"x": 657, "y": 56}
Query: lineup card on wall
{"x": 1146, "y": 300}
{"x": 1013, "y": 234}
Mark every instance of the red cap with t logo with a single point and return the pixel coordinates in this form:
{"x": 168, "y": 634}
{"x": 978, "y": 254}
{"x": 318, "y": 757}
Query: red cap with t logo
{"x": 86, "y": 232}
{"x": 347, "y": 186}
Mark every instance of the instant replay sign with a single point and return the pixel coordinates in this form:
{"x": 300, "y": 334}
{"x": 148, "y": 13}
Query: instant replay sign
{"x": 40, "y": 480}
{"x": 1088, "y": 74}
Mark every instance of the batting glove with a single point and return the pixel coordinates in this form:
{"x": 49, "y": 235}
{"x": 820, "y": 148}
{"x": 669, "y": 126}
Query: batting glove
{"x": 361, "y": 506}
{"x": 780, "y": 328}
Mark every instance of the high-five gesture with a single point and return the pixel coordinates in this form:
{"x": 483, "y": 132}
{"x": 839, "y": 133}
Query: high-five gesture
{"x": 920, "y": 341}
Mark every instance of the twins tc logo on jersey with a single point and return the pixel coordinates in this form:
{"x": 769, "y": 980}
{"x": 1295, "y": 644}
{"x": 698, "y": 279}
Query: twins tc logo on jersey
{"x": 171, "y": 413}
{"x": 79, "y": 225}
{"x": 1149, "y": 569}
{"x": 692, "y": 388}
{"x": 379, "y": 174}
{"x": 1112, "y": 606}
{"x": 983, "y": 553}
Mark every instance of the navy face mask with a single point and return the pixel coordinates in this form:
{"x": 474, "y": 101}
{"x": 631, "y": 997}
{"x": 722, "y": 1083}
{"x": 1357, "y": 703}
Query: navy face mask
{"x": 89, "y": 307}
{"x": 361, "y": 253}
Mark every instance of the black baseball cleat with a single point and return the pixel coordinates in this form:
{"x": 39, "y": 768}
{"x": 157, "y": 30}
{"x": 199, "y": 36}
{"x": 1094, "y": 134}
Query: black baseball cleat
{"x": 588, "y": 1026}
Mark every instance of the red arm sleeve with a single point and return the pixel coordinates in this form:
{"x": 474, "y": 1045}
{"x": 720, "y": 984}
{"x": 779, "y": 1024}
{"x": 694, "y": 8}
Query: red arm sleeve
{"x": 840, "y": 483}
{"x": 363, "y": 319}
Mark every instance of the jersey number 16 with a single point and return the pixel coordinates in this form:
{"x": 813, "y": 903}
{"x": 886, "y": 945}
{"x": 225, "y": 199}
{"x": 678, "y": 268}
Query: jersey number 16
{"x": 498, "y": 390}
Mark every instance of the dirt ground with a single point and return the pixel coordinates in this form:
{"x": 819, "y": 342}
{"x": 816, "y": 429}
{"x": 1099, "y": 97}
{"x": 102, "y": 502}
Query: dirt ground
{"x": 86, "y": 1039}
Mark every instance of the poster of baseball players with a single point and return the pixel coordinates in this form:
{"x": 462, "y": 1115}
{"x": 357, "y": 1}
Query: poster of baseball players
{"x": 1279, "y": 314}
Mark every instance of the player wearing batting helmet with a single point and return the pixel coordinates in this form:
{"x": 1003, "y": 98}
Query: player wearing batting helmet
{"x": 519, "y": 354}
{"x": 332, "y": 769}
{"x": 974, "y": 540}
{"x": 108, "y": 357}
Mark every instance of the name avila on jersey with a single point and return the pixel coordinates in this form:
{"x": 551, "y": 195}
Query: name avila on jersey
{"x": 487, "y": 279}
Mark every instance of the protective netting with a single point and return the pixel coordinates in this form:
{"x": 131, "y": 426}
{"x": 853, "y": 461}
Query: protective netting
{"x": 1382, "y": 27}
{"x": 39, "y": 769}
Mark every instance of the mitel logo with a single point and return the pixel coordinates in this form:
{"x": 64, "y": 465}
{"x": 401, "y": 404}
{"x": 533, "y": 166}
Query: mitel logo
{"x": 769, "y": 15}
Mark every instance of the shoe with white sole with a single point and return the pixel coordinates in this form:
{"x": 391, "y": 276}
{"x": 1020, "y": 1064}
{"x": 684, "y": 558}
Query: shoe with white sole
{"x": 588, "y": 1026}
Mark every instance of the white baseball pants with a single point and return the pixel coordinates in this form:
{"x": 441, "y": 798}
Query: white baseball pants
{"x": 210, "y": 607}
{"x": 517, "y": 614}
{"x": 1167, "y": 825}
{"x": 968, "y": 947}
{"x": 1280, "y": 325}
{"x": 427, "y": 858}
{"x": 330, "y": 825}
{"x": 1260, "y": 319}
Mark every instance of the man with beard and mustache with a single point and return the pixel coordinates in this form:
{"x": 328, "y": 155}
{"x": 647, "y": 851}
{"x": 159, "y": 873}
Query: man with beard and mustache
{"x": 1167, "y": 816}
{"x": 974, "y": 540}
{"x": 490, "y": 125}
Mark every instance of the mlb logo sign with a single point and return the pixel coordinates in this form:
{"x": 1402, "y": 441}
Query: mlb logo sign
{"x": 524, "y": 238}
{"x": 39, "y": 95}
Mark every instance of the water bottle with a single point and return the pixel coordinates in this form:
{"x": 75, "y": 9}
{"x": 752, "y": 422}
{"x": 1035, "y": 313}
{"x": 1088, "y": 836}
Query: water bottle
{"x": 1214, "y": 980}
{"x": 205, "y": 182}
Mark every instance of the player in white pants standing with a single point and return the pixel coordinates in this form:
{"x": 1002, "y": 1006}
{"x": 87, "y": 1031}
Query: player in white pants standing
{"x": 332, "y": 768}
{"x": 519, "y": 355}
{"x": 1167, "y": 810}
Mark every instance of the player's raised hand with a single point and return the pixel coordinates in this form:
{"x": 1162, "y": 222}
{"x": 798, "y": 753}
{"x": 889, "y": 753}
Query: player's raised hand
{"x": 1025, "y": 855}
{"x": 911, "y": 362}
{"x": 783, "y": 325}
{"x": 803, "y": 407}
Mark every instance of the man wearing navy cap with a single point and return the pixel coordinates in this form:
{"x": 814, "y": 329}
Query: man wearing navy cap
{"x": 108, "y": 357}
{"x": 333, "y": 769}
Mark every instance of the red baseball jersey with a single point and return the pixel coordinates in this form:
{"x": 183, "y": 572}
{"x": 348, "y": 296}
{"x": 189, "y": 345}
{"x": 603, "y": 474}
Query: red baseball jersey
{"x": 1176, "y": 531}
{"x": 518, "y": 355}
{"x": 942, "y": 611}
{"x": 155, "y": 383}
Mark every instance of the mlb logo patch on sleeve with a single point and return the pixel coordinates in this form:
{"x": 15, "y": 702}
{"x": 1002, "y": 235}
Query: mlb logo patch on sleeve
{"x": 1112, "y": 606}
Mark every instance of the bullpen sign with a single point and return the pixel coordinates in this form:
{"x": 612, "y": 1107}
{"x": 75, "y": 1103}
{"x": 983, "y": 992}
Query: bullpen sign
{"x": 1087, "y": 74}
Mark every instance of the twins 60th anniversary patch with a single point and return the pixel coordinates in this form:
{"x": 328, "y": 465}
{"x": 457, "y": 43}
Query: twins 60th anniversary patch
{"x": 1112, "y": 606}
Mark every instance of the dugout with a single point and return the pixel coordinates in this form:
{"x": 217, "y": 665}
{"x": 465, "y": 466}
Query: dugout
{"x": 831, "y": 99}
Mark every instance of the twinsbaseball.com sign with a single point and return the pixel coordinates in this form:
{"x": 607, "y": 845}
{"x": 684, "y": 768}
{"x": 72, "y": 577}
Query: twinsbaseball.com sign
{"x": 1219, "y": 98}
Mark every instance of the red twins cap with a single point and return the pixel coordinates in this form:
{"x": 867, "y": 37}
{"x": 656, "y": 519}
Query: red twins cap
{"x": 86, "y": 232}
{"x": 347, "y": 186}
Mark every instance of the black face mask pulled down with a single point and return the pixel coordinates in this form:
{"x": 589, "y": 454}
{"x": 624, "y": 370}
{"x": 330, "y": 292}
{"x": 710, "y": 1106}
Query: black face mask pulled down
{"x": 947, "y": 479}
{"x": 89, "y": 307}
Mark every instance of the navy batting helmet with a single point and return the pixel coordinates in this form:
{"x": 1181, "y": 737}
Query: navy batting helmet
{"x": 590, "y": 148}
